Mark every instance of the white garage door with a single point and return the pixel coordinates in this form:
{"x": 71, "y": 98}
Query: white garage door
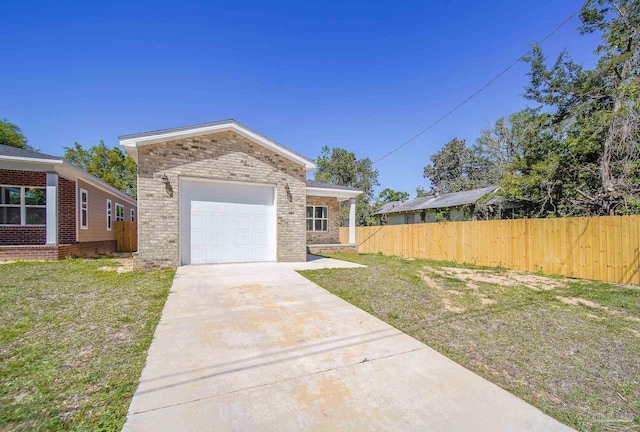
{"x": 225, "y": 222}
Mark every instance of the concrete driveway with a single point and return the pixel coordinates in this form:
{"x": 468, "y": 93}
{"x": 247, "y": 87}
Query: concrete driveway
{"x": 257, "y": 347}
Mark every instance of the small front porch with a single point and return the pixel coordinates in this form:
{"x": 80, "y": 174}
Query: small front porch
{"x": 324, "y": 203}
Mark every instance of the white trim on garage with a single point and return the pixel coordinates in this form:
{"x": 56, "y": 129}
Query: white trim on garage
{"x": 224, "y": 221}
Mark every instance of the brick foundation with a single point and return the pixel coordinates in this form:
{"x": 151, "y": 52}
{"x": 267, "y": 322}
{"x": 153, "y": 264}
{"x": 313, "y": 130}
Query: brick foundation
{"x": 53, "y": 252}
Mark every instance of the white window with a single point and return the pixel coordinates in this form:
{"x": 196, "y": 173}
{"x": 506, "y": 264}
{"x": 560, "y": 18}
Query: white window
{"x": 133, "y": 215}
{"x": 23, "y": 205}
{"x": 317, "y": 218}
{"x": 109, "y": 215}
{"x": 84, "y": 209}
{"x": 119, "y": 212}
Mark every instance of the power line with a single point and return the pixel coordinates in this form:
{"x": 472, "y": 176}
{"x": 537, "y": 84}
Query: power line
{"x": 494, "y": 79}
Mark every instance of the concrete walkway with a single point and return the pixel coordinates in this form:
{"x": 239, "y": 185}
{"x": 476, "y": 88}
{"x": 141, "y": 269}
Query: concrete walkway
{"x": 257, "y": 347}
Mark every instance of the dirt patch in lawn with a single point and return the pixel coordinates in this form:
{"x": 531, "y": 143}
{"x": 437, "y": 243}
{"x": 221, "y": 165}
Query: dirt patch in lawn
{"x": 507, "y": 278}
{"x": 121, "y": 265}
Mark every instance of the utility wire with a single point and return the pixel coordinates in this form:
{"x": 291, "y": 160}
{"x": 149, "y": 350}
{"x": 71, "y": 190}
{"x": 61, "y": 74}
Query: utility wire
{"x": 494, "y": 79}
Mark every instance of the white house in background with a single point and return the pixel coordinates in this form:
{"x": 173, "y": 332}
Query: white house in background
{"x": 456, "y": 206}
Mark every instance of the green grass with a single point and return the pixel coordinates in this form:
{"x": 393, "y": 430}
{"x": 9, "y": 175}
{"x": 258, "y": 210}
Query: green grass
{"x": 578, "y": 363}
{"x": 73, "y": 341}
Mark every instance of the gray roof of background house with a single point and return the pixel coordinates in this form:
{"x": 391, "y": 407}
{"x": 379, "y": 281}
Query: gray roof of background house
{"x": 6, "y": 150}
{"x": 315, "y": 184}
{"x": 454, "y": 199}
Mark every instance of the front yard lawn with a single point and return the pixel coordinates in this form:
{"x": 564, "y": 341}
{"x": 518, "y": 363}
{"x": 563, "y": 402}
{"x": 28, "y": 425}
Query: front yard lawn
{"x": 569, "y": 347}
{"x": 73, "y": 341}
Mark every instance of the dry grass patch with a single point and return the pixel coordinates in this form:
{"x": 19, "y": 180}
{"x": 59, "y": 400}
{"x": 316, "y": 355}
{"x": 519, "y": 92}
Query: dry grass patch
{"x": 569, "y": 347}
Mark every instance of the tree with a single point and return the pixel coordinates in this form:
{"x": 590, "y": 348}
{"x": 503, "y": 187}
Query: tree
{"x": 342, "y": 167}
{"x": 456, "y": 168}
{"x": 11, "y": 135}
{"x": 422, "y": 192}
{"x": 390, "y": 195}
{"x": 596, "y": 113}
{"x": 111, "y": 165}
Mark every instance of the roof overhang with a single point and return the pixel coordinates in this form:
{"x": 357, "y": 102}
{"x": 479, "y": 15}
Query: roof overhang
{"x": 131, "y": 142}
{"x": 340, "y": 194}
{"x": 63, "y": 168}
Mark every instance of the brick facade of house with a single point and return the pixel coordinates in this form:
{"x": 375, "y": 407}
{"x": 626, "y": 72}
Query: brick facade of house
{"x": 221, "y": 156}
{"x": 332, "y": 235}
{"x": 66, "y": 211}
{"x": 28, "y": 242}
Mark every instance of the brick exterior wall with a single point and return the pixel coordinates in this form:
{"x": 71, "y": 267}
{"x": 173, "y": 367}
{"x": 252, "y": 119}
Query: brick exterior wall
{"x": 66, "y": 211}
{"x": 54, "y": 252}
{"x": 23, "y": 178}
{"x": 222, "y": 156}
{"x": 28, "y": 253}
{"x": 23, "y": 235}
{"x": 332, "y": 235}
{"x": 87, "y": 249}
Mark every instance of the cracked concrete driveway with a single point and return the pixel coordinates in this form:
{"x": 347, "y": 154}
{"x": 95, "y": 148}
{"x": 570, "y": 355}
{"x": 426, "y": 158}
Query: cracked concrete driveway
{"x": 259, "y": 347}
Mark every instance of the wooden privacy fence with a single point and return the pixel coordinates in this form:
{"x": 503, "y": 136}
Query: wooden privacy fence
{"x": 597, "y": 248}
{"x": 126, "y": 236}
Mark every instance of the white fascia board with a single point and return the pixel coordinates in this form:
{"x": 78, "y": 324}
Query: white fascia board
{"x": 341, "y": 194}
{"x": 24, "y": 165}
{"x": 131, "y": 144}
{"x": 31, "y": 160}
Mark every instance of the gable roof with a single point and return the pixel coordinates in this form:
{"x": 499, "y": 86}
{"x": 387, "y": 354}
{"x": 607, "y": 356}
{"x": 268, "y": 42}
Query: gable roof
{"x": 131, "y": 142}
{"x": 7, "y": 152}
{"x": 454, "y": 199}
{"x": 20, "y": 159}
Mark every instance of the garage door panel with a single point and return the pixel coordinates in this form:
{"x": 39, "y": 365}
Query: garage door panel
{"x": 217, "y": 226}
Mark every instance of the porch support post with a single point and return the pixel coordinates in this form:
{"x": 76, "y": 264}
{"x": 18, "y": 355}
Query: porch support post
{"x": 52, "y": 208}
{"x": 352, "y": 221}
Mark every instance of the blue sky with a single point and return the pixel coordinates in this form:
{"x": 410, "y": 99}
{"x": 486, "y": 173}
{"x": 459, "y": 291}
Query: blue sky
{"x": 361, "y": 75}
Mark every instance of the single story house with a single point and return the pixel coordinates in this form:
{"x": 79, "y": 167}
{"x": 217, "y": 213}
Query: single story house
{"x": 50, "y": 208}
{"x": 221, "y": 192}
{"x": 456, "y": 206}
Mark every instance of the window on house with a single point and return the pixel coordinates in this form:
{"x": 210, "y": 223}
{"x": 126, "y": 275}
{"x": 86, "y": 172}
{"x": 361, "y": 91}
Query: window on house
{"x": 119, "y": 212}
{"x": 20, "y": 205}
{"x": 109, "y": 215}
{"x": 133, "y": 215}
{"x": 317, "y": 218}
{"x": 84, "y": 209}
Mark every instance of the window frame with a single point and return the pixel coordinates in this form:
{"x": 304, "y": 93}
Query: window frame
{"x": 109, "y": 213}
{"x": 84, "y": 208}
{"x": 132, "y": 215}
{"x": 119, "y": 218}
{"x": 23, "y": 206}
{"x": 313, "y": 218}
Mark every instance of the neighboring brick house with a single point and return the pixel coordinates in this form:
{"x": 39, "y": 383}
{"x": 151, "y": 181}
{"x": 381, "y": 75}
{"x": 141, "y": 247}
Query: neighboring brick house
{"x": 221, "y": 192}
{"x": 50, "y": 209}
